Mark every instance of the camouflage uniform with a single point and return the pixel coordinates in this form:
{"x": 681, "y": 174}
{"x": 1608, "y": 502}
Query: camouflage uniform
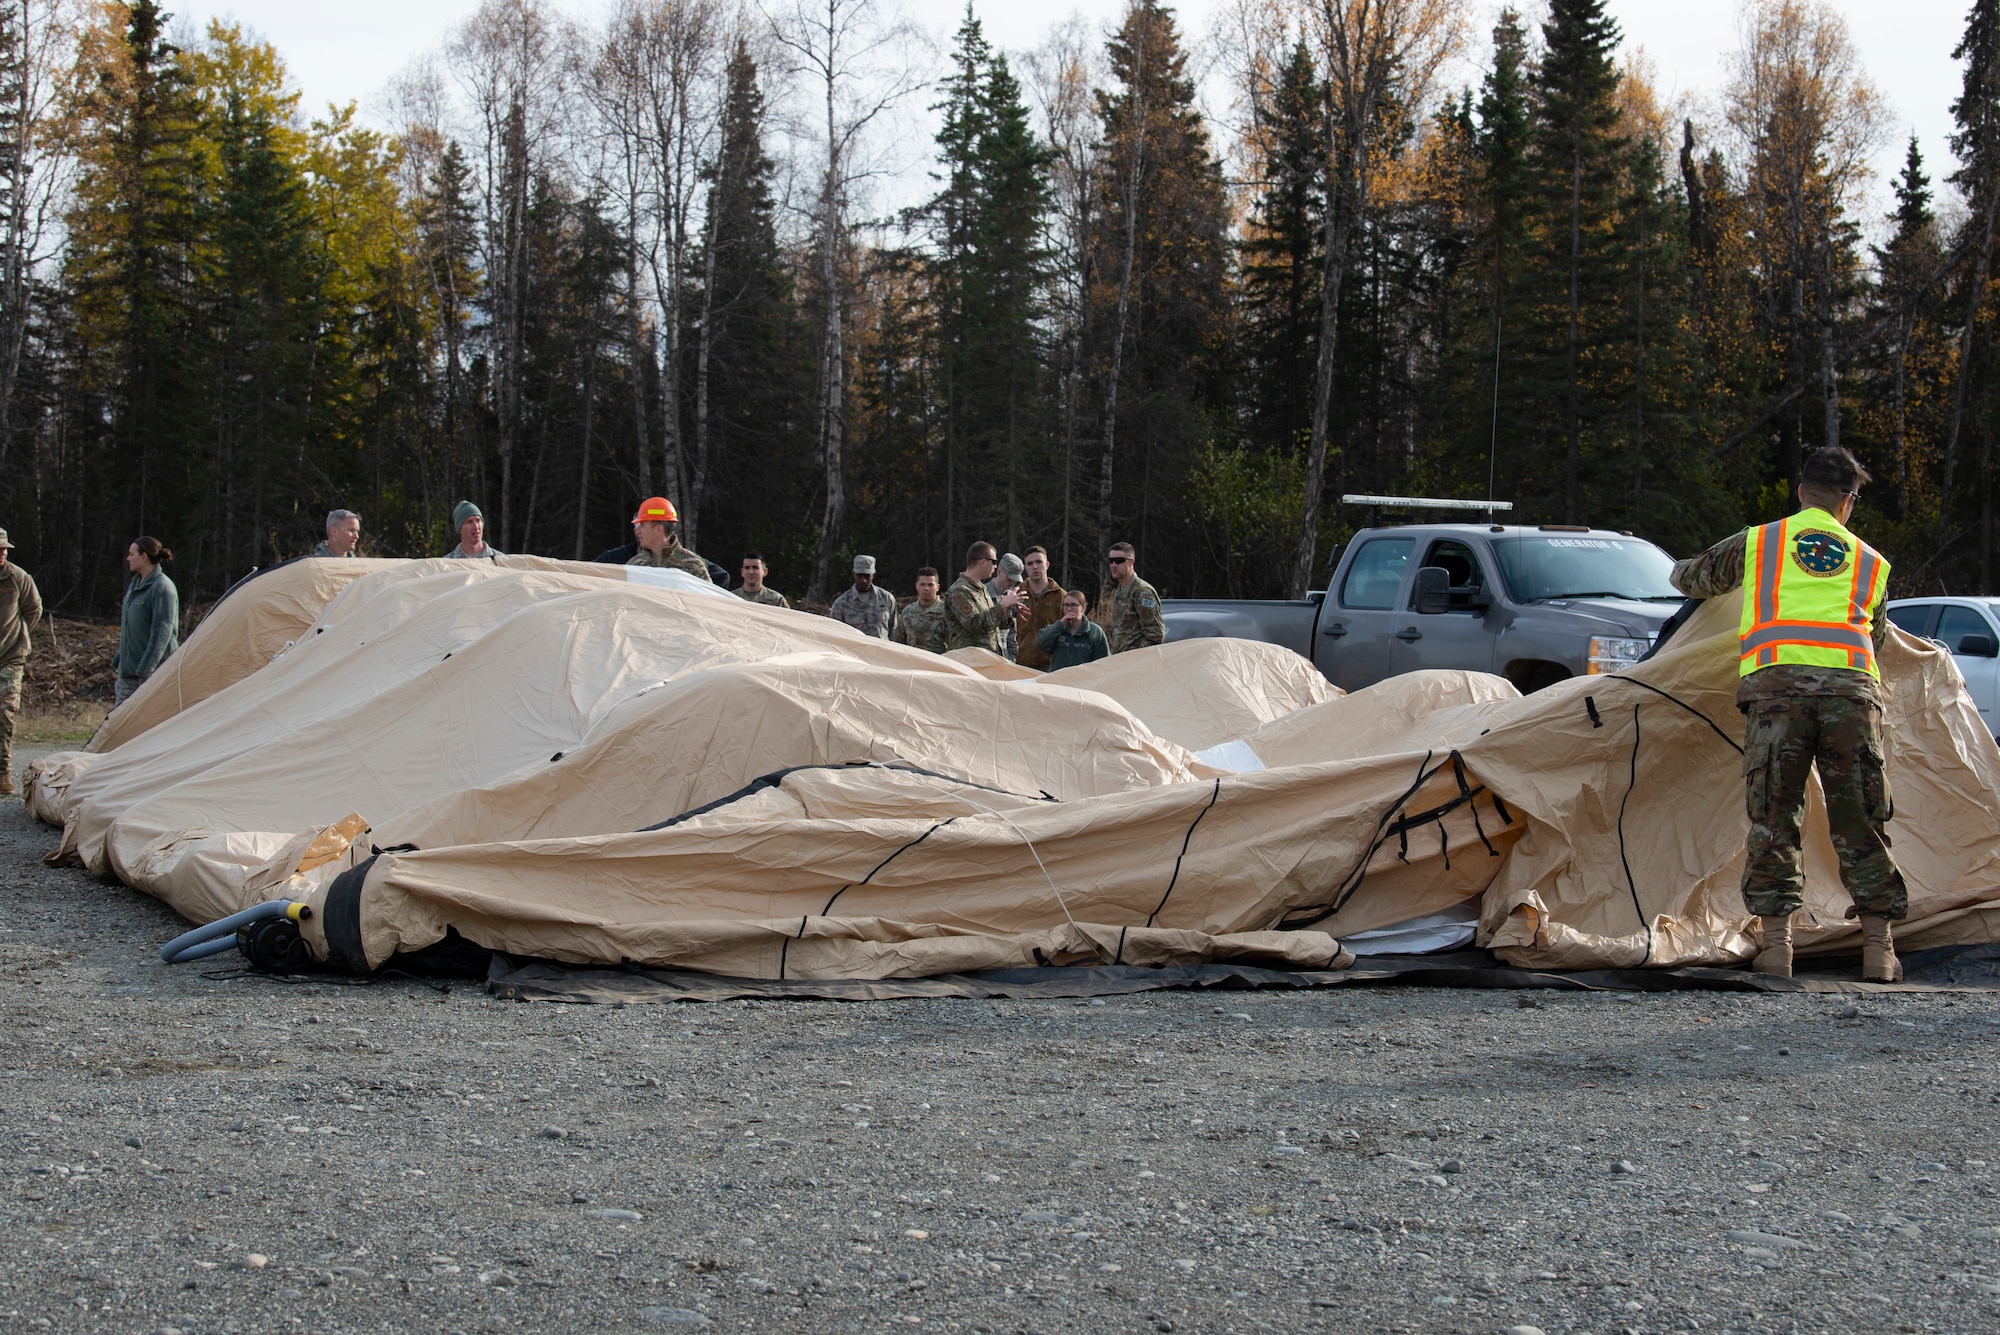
{"x": 871, "y": 613}
{"x": 1135, "y": 617}
{"x": 923, "y": 627}
{"x": 1799, "y": 716}
{"x": 20, "y": 609}
{"x": 673, "y": 557}
{"x": 324, "y": 550}
{"x": 974, "y": 621}
{"x": 768, "y": 596}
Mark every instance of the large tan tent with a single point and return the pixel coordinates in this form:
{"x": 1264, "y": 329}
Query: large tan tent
{"x": 595, "y": 765}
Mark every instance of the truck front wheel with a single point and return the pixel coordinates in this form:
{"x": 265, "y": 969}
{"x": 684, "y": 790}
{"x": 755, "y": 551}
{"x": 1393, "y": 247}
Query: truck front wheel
{"x": 1530, "y": 676}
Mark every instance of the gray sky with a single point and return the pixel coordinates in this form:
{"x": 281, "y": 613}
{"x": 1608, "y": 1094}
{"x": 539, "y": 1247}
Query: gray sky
{"x": 348, "y": 51}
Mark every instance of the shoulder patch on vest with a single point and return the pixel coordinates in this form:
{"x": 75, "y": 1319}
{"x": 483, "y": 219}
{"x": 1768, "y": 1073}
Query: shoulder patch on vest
{"x": 1818, "y": 552}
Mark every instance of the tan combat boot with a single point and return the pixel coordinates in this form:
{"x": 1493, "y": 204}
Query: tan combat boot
{"x": 7, "y": 783}
{"x": 1776, "y": 956}
{"x": 1878, "y": 951}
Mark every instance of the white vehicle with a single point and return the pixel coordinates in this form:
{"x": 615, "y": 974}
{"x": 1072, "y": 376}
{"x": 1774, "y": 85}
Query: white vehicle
{"x": 1969, "y": 629}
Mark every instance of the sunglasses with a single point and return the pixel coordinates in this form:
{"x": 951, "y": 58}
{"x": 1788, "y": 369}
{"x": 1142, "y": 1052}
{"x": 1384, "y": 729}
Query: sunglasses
{"x": 1118, "y": 560}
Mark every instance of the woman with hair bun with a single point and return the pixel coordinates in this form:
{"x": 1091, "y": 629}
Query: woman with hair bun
{"x": 150, "y": 627}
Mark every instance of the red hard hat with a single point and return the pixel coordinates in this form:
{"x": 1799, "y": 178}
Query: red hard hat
{"x": 656, "y": 510}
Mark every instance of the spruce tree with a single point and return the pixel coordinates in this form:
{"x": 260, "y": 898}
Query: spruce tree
{"x": 987, "y": 276}
{"x": 1976, "y": 144}
{"x": 1901, "y": 421}
{"x": 1162, "y": 340}
{"x": 258, "y": 307}
{"x": 1005, "y": 272}
{"x": 1577, "y": 150}
{"x": 447, "y": 254}
{"x": 1502, "y": 144}
{"x": 754, "y": 459}
{"x": 130, "y": 267}
{"x": 1282, "y": 257}
{"x": 952, "y": 217}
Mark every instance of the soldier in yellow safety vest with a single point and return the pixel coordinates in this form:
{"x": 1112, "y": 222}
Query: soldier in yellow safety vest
{"x": 1810, "y": 687}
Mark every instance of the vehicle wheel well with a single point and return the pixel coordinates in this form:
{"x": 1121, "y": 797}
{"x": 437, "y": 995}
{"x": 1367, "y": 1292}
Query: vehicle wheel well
{"x": 1533, "y": 674}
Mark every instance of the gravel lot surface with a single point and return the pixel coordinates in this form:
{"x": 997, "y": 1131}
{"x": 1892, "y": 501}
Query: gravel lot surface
{"x": 239, "y": 1155}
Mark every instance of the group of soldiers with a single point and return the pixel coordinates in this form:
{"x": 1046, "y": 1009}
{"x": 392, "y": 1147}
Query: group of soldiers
{"x": 1008, "y": 605}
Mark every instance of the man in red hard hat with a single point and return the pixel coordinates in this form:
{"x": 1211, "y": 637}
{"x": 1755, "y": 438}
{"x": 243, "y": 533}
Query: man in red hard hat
{"x": 656, "y": 527}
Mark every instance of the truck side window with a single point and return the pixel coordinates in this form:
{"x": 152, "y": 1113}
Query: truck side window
{"x": 1462, "y": 564}
{"x": 1376, "y": 573}
{"x": 1955, "y": 623}
{"x": 1911, "y": 618}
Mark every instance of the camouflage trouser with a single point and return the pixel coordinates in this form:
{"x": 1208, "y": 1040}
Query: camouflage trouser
{"x": 10, "y": 704}
{"x": 1785, "y": 738}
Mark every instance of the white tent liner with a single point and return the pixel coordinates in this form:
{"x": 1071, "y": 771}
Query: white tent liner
{"x": 560, "y": 760}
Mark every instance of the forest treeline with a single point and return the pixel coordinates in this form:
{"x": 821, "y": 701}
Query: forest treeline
{"x": 646, "y": 252}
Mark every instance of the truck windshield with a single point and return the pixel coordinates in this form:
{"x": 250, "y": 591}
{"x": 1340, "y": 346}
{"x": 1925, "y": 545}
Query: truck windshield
{"x": 1583, "y": 567}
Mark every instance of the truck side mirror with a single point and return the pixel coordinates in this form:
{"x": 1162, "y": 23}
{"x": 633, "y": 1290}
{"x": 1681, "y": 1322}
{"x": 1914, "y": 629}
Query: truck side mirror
{"x": 1433, "y": 590}
{"x": 1978, "y": 646}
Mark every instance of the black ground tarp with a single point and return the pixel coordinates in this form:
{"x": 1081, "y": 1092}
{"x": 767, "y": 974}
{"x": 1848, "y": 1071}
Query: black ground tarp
{"x": 1945, "y": 969}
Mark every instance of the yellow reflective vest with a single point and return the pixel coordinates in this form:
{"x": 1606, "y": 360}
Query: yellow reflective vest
{"x": 1810, "y": 590}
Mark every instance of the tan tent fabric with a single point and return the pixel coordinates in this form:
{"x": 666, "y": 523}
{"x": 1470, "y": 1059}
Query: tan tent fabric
{"x": 577, "y": 761}
{"x": 238, "y": 636}
{"x": 1202, "y": 693}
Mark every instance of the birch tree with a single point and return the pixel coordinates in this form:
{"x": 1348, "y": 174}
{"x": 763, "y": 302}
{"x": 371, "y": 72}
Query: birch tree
{"x": 856, "y": 61}
{"x": 509, "y": 58}
{"x": 37, "y": 49}
{"x": 1059, "y": 76}
{"x": 1373, "y": 53}
{"x": 1806, "y": 121}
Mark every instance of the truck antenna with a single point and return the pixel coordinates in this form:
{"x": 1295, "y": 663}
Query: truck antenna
{"x": 1493, "y": 438}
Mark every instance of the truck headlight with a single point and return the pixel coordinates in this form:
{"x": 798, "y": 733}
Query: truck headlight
{"x": 1609, "y": 655}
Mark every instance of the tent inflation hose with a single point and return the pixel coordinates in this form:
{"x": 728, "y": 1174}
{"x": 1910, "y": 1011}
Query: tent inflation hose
{"x": 220, "y": 935}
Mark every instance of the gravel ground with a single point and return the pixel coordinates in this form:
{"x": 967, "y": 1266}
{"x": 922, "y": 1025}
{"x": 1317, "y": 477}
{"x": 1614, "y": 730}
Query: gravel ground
{"x": 193, "y": 1154}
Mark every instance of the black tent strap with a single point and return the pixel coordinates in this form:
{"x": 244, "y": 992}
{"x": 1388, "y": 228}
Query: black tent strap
{"x": 1174, "y": 880}
{"x": 1632, "y": 782}
{"x": 879, "y": 866}
{"x": 1713, "y": 726}
{"x": 1385, "y": 825}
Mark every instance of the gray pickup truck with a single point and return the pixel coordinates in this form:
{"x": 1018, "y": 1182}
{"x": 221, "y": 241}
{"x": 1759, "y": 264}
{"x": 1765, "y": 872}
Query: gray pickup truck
{"x": 1534, "y": 605}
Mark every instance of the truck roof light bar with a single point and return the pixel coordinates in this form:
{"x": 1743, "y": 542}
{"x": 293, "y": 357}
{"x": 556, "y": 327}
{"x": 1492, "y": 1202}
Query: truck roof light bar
{"x": 1424, "y": 503}
{"x": 1377, "y": 504}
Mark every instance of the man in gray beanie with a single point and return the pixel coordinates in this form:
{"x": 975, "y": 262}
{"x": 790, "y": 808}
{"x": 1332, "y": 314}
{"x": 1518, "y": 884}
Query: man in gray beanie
{"x": 1007, "y": 577}
{"x": 471, "y": 526}
{"x": 866, "y": 608}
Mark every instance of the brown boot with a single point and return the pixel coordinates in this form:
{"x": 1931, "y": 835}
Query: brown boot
{"x": 1776, "y": 956}
{"x": 1878, "y": 951}
{"x": 7, "y": 783}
